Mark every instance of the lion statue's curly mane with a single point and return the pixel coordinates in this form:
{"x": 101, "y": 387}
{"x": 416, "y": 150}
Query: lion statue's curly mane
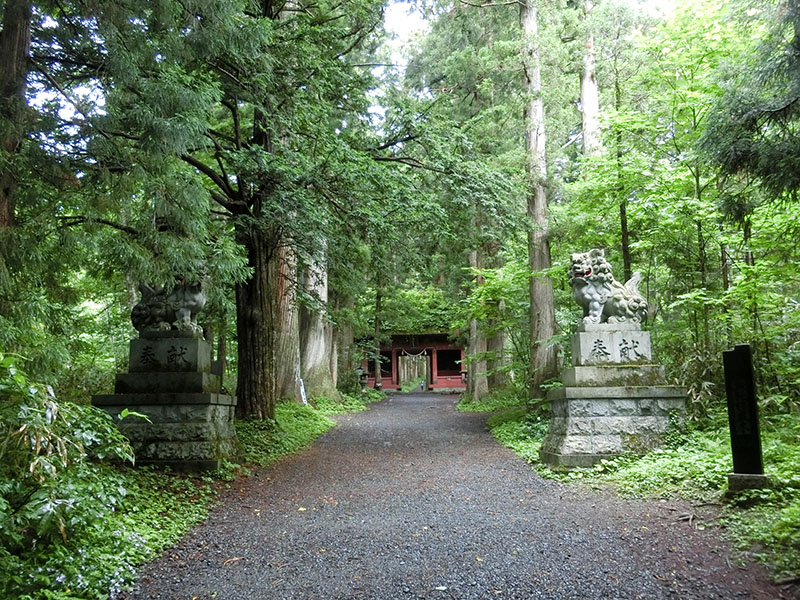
{"x": 603, "y": 298}
{"x": 164, "y": 310}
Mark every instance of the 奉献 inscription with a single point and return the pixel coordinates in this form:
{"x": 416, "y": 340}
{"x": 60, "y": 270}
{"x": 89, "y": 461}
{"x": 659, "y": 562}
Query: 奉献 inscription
{"x": 599, "y": 349}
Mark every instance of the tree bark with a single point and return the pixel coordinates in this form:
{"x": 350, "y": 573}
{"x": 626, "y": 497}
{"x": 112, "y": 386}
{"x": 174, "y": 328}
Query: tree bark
{"x": 287, "y": 325}
{"x": 315, "y": 341}
{"x": 255, "y": 387}
{"x": 497, "y": 363}
{"x": 625, "y": 242}
{"x": 590, "y": 96}
{"x": 345, "y": 335}
{"x": 377, "y": 340}
{"x": 15, "y": 40}
{"x": 542, "y": 310}
{"x": 477, "y": 383}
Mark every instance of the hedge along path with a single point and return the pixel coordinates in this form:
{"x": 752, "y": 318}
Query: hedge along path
{"x": 413, "y": 499}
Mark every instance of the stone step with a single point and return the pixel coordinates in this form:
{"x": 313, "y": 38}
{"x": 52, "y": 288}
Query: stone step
{"x": 619, "y": 392}
{"x": 134, "y": 400}
{"x": 185, "y": 382}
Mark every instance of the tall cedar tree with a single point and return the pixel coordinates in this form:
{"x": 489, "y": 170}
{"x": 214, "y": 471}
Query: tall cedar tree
{"x": 248, "y": 99}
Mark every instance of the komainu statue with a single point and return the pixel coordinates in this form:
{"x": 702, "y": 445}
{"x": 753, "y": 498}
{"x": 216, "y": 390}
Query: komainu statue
{"x": 163, "y": 310}
{"x": 603, "y": 298}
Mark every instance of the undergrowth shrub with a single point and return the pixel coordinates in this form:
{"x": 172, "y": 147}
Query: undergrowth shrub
{"x": 295, "y": 427}
{"x": 519, "y": 430}
{"x": 52, "y": 481}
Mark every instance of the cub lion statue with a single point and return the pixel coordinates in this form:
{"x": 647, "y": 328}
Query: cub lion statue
{"x": 603, "y": 298}
{"x": 164, "y": 310}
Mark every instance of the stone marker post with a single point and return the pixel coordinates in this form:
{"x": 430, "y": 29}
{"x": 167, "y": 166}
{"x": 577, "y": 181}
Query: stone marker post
{"x": 740, "y": 389}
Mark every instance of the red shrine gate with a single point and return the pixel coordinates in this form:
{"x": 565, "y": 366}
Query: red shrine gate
{"x": 410, "y": 356}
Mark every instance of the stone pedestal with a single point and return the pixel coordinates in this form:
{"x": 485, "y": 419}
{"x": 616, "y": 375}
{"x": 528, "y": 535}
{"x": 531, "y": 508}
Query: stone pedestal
{"x": 614, "y": 400}
{"x": 170, "y": 381}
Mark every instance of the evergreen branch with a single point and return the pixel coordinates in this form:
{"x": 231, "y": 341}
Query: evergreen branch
{"x": 227, "y": 73}
{"x": 237, "y": 131}
{"x": 361, "y": 34}
{"x": 67, "y": 96}
{"x": 234, "y": 207}
{"x": 220, "y": 182}
{"x": 73, "y": 220}
{"x": 401, "y": 140}
{"x": 229, "y": 191}
{"x": 412, "y": 162}
{"x": 492, "y": 4}
{"x": 222, "y": 135}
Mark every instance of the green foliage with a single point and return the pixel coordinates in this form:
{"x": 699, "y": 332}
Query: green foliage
{"x": 519, "y": 430}
{"x": 100, "y": 558}
{"x": 753, "y": 129}
{"x": 411, "y": 385}
{"x": 55, "y": 493}
{"x": 503, "y": 398}
{"x": 295, "y": 427}
{"x": 416, "y": 309}
{"x": 47, "y": 449}
{"x": 349, "y": 403}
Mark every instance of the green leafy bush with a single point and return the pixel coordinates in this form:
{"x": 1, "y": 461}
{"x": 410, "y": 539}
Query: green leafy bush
{"x": 52, "y": 483}
{"x": 349, "y": 403}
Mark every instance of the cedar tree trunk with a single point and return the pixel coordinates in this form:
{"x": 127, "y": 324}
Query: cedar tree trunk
{"x": 542, "y": 311}
{"x": 15, "y": 40}
{"x": 287, "y": 325}
{"x": 255, "y": 387}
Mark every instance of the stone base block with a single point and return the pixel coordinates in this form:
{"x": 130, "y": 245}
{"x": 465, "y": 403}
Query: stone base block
{"x": 188, "y": 432}
{"x": 590, "y": 424}
{"x": 738, "y": 482}
{"x": 571, "y": 461}
{"x": 611, "y": 347}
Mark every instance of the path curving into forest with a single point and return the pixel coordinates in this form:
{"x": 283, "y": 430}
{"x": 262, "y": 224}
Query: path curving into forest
{"x": 413, "y": 500}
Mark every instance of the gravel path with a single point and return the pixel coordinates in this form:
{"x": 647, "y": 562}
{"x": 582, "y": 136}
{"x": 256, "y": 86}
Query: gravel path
{"x": 415, "y": 500}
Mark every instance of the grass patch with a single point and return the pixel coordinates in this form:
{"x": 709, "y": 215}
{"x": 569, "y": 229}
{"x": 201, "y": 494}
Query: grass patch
{"x": 695, "y": 466}
{"x": 497, "y": 400}
{"x": 349, "y": 403}
{"x": 519, "y": 430}
{"x": 295, "y": 427}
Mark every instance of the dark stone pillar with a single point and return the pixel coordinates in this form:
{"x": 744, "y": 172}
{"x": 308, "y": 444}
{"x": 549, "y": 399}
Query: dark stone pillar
{"x": 748, "y": 468}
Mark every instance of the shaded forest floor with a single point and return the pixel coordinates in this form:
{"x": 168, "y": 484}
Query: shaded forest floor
{"x": 415, "y": 500}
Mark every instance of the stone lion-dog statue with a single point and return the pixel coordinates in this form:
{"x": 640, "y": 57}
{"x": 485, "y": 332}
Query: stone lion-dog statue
{"x": 603, "y": 298}
{"x": 163, "y": 310}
